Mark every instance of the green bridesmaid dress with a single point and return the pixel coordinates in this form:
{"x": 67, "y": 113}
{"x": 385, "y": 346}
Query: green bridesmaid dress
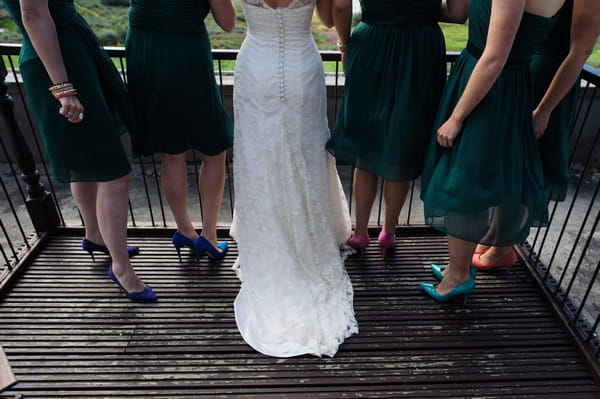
{"x": 171, "y": 79}
{"x": 489, "y": 186}
{"x": 395, "y": 72}
{"x": 91, "y": 150}
{"x": 554, "y": 144}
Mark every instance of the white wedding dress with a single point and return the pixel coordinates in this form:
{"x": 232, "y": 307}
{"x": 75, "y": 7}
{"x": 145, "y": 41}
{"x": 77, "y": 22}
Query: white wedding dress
{"x": 291, "y": 217}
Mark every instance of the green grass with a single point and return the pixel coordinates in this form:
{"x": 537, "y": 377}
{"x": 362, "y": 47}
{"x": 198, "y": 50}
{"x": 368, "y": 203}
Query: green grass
{"x": 110, "y": 24}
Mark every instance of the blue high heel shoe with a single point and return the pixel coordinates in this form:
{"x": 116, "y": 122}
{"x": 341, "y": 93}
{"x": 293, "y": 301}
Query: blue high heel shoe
{"x": 146, "y": 295}
{"x": 462, "y": 289}
{"x": 437, "y": 271}
{"x": 202, "y": 245}
{"x": 91, "y": 246}
{"x": 179, "y": 240}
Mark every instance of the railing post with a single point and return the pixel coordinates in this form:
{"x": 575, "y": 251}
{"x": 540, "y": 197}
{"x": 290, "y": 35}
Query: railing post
{"x": 39, "y": 202}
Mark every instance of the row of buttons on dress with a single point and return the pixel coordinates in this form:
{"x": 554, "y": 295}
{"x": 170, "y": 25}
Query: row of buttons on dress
{"x": 281, "y": 55}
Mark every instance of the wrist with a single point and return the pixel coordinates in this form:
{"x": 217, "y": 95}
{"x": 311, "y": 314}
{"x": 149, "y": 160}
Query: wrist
{"x": 342, "y": 46}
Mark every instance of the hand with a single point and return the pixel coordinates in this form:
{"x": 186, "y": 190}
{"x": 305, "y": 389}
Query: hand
{"x": 71, "y": 108}
{"x": 448, "y": 131}
{"x": 540, "y": 123}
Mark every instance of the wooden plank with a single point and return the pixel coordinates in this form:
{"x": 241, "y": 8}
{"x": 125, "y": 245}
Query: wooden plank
{"x": 71, "y": 334}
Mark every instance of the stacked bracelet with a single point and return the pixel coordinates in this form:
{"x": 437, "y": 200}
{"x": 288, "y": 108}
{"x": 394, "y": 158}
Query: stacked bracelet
{"x": 63, "y": 89}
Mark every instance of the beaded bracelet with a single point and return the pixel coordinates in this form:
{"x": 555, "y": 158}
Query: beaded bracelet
{"x": 63, "y": 89}
{"x": 341, "y": 46}
{"x": 65, "y": 93}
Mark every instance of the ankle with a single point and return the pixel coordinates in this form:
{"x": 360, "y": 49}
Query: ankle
{"x": 95, "y": 238}
{"x": 188, "y": 232}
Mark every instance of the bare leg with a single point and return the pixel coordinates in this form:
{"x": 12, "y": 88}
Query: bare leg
{"x": 394, "y": 195}
{"x": 85, "y": 194}
{"x": 175, "y": 185}
{"x": 458, "y": 270}
{"x": 111, "y": 207}
{"x": 211, "y": 184}
{"x": 365, "y": 190}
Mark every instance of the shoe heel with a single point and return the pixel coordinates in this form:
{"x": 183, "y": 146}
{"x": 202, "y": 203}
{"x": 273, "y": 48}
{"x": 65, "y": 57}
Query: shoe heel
{"x": 92, "y": 255}
{"x": 466, "y": 299}
{"x": 178, "y": 250}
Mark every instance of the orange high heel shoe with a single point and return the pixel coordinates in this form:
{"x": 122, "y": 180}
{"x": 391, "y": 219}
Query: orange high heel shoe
{"x": 507, "y": 260}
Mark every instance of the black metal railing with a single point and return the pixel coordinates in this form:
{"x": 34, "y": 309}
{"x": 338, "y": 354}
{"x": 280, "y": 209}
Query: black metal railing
{"x": 564, "y": 256}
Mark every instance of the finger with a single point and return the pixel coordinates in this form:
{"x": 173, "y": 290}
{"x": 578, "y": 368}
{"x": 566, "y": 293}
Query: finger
{"x": 78, "y": 118}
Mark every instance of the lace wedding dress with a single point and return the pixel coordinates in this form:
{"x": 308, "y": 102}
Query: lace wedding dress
{"x": 291, "y": 216}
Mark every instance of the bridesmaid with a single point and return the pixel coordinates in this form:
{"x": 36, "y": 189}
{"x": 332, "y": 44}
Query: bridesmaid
{"x": 178, "y": 107}
{"x": 65, "y": 70}
{"x": 483, "y": 168}
{"x": 395, "y": 71}
{"x": 554, "y": 68}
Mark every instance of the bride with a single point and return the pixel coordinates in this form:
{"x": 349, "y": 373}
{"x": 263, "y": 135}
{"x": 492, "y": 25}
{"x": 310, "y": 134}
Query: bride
{"x": 291, "y": 216}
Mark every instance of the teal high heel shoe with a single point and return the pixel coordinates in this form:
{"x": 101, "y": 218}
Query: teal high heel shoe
{"x": 179, "y": 240}
{"x": 437, "y": 271}
{"x": 462, "y": 289}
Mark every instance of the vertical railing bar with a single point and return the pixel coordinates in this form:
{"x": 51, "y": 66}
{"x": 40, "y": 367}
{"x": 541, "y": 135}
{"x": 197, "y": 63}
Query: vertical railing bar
{"x": 412, "y": 190}
{"x": 586, "y": 245}
{"x": 596, "y": 322}
{"x": 336, "y": 90}
{"x": 14, "y": 212}
{"x": 545, "y": 236}
{"x": 380, "y": 203}
{"x": 148, "y": 201}
{"x": 8, "y": 240}
{"x": 37, "y": 143}
{"x": 196, "y": 182}
{"x": 589, "y": 288}
{"x": 6, "y": 258}
{"x": 123, "y": 70}
{"x": 352, "y": 170}
{"x": 230, "y": 182}
{"x": 13, "y": 170}
{"x": 130, "y": 206}
{"x": 158, "y": 191}
{"x": 575, "y": 195}
{"x": 221, "y": 80}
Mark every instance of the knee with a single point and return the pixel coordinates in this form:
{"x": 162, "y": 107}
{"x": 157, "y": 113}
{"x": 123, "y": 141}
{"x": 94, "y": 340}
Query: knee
{"x": 214, "y": 159}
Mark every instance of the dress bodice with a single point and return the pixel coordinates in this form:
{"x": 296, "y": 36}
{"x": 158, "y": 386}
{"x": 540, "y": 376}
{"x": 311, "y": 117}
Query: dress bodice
{"x": 400, "y": 12}
{"x": 283, "y": 25}
{"x": 531, "y": 33}
{"x": 169, "y": 15}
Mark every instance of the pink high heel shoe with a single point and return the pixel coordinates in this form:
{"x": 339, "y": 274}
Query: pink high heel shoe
{"x": 359, "y": 242}
{"x": 386, "y": 241}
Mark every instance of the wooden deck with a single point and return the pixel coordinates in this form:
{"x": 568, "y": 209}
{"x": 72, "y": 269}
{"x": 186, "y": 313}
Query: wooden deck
{"x": 69, "y": 333}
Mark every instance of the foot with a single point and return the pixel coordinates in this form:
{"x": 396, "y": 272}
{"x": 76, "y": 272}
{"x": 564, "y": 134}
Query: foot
{"x": 450, "y": 282}
{"x": 128, "y": 279}
{"x": 481, "y": 249}
{"x": 494, "y": 257}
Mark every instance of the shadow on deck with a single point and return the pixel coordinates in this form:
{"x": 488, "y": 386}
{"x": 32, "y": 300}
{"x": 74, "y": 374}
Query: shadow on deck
{"x": 69, "y": 333}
